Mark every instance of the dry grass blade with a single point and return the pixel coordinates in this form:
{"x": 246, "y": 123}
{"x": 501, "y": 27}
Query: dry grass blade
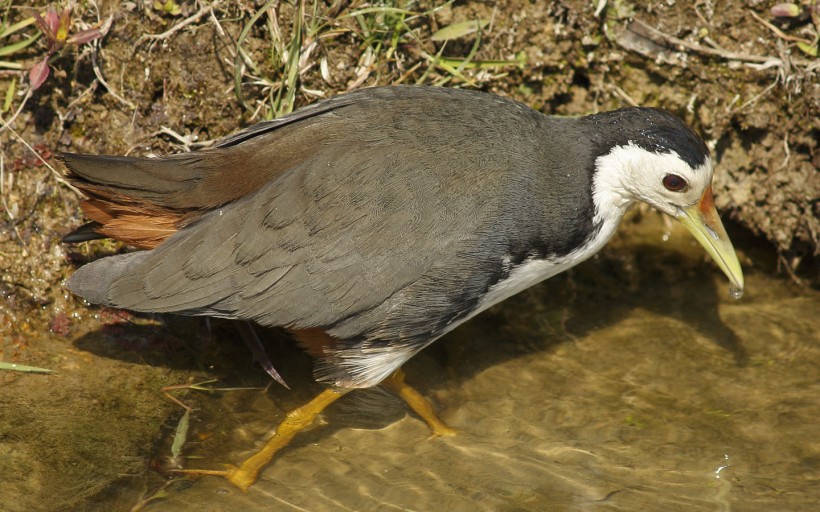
{"x": 458, "y": 30}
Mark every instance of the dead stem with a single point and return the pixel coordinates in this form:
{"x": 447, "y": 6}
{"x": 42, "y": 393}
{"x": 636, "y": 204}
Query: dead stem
{"x": 790, "y": 267}
{"x": 717, "y": 51}
{"x": 3, "y": 197}
{"x": 779, "y": 33}
{"x": 758, "y": 96}
{"x": 98, "y": 73}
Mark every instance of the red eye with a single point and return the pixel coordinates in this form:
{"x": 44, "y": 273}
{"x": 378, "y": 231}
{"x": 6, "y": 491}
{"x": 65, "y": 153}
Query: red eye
{"x": 675, "y": 183}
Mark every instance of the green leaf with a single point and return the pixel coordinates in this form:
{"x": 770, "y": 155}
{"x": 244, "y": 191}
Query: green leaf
{"x": 22, "y": 368}
{"x": 808, "y": 49}
{"x": 168, "y": 7}
{"x": 11, "y": 29}
{"x": 181, "y": 434}
{"x": 19, "y": 45}
{"x": 9, "y": 96}
{"x": 457, "y": 30}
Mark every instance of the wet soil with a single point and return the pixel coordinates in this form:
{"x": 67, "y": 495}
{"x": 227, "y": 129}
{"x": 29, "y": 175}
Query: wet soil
{"x": 87, "y": 435}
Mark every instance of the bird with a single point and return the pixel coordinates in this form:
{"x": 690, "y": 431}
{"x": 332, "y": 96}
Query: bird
{"x": 371, "y": 224}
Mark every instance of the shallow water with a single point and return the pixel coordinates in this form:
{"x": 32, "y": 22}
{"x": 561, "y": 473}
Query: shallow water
{"x": 646, "y": 412}
{"x": 635, "y": 383}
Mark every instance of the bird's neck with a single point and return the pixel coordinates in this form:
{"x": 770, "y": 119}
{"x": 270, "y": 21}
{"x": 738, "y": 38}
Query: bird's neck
{"x": 610, "y": 202}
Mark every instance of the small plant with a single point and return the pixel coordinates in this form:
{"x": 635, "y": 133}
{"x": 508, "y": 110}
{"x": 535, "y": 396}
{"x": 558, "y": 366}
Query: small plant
{"x": 9, "y": 49}
{"x": 790, "y": 14}
{"x": 167, "y": 7}
{"x": 55, "y": 30}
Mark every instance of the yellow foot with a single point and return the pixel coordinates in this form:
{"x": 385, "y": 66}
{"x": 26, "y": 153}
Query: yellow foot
{"x": 247, "y": 473}
{"x": 236, "y": 475}
{"x": 419, "y": 404}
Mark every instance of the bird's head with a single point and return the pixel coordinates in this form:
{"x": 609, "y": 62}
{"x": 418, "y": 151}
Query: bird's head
{"x": 650, "y": 155}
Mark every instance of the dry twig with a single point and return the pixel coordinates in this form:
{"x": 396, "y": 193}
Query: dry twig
{"x": 624, "y": 95}
{"x": 154, "y": 38}
{"x": 6, "y": 125}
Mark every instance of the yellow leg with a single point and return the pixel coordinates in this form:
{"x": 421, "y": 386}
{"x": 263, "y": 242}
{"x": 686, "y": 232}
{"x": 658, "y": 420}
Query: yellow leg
{"x": 246, "y": 474}
{"x": 419, "y": 404}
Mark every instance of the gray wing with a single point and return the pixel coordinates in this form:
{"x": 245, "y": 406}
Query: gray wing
{"x": 347, "y": 239}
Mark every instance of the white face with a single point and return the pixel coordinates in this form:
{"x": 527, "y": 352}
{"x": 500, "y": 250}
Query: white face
{"x": 665, "y": 181}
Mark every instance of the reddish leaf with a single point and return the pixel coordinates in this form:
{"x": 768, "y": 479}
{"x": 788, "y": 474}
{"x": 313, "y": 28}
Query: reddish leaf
{"x": 33, "y": 159}
{"x": 84, "y": 36}
{"x": 52, "y": 19}
{"x": 44, "y": 25}
{"x": 38, "y": 74}
{"x": 785, "y": 10}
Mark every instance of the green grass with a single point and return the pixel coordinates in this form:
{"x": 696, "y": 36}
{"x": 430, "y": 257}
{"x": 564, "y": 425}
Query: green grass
{"x": 391, "y": 42}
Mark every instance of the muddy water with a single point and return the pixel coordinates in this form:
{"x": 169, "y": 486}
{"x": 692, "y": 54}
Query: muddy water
{"x": 634, "y": 383}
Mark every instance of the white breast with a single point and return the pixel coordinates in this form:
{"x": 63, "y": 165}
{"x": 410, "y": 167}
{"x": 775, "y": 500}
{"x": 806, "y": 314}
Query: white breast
{"x": 534, "y": 271}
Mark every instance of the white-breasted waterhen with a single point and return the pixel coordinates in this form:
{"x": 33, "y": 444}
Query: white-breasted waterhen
{"x": 371, "y": 224}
